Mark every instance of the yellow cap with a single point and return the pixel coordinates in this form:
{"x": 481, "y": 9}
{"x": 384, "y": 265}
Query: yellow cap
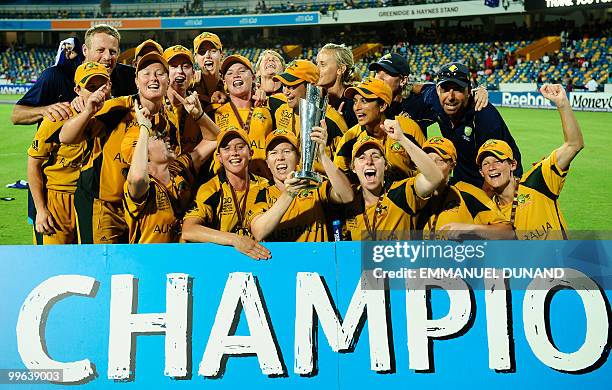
{"x": 178, "y": 50}
{"x": 87, "y": 70}
{"x": 442, "y": 146}
{"x": 232, "y": 130}
{"x": 497, "y": 148}
{"x": 367, "y": 140}
{"x": 297, "y": 72}
{"x": 371, "y": 88}
{"x": 150, "y": 58}
{"x": 148, "y": 43}
{"x": 206, "y": 37}
{"x": 282, "y": 134}
{"x": 229, "y": 61}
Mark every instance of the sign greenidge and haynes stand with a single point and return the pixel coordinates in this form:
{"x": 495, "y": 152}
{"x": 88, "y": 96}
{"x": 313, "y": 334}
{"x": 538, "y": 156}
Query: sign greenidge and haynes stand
{"x": 580, "y": 101}
{"x": 199, "y": 316}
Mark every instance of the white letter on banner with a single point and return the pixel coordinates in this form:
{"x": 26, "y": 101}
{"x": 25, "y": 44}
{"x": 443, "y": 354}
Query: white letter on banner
{"x": 312, "y": 301}
{"x": 498, "y": 326}
{"x": 125, "y": 325}
{"x": 421, "y": 329}
{"x": 241, "y": 292}
{"x": 32, "y": 320}
{"x": 537, "y": 323}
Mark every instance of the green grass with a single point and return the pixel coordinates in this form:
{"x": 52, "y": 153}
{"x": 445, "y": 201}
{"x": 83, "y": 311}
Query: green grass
{"x": 585, "y": 200}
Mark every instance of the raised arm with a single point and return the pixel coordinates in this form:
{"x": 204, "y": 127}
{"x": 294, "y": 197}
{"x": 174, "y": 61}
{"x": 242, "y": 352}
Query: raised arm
{"x": 138, "y": 175}
{"x": 429, "y": 176}
{"x": 341, "y": 190}
{"x": 72, "y": 131}
{"x": 193, "y": 106}
{"x": 572, "y": 136}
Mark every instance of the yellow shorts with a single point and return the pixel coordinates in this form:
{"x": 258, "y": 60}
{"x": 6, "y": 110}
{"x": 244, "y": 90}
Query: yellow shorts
{"x": 61, "y": 206}
{"x": 109, "y": 226}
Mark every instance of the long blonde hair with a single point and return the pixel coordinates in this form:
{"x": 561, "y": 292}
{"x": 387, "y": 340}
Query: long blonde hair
{"x": 344, "y": 56}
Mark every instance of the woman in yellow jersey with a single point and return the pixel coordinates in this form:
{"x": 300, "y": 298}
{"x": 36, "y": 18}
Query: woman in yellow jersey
{"x": 288, "y": 210}
{"x": 372, "y": 98}
{"x": 531, "y": 202}
{"x": 240, "y": 111}
{"x": 159, "y": 185}
{"x": 383, "y": 210}
{"x": 192, "y": 125}
{"x": 220, "y": 211}
{"x": 268, "y": 65}
{"x": 107, "y": 129}
{"x": 295, "y": 79}
{"x": 461, "y": 209}
{"x": 337, "y": 73}
{"x": 208, "y": 52}
{"x": 54, "y": 167}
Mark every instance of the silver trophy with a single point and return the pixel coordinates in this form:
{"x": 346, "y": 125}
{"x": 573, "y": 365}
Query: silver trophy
{"x": 312, "y": 110}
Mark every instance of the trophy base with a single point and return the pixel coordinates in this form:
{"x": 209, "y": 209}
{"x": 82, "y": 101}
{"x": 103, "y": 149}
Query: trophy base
{"x": 313, "y": 178}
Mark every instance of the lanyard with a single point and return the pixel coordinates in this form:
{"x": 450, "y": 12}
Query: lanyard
{"x": 372, "y": 228}
{"x": 244, "y": 126}
{"x": 240, "y": 209}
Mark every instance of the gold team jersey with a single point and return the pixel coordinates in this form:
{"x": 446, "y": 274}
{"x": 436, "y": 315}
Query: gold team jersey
{"x": 189, "y": 133}
{"x": 62, "y": 165}
{"x": 259, "y": 128}
{"x": 461, "y": 202}
{"x": 538, "y": 215}
{"x": 104, "y": 170}
{"x": 389, "y": 219}
{"x": 304, "y": 220}
{"x": 214, "y": 204}
{"x": 156, "y": 218}
{"x": 401, "y": 165}
{"x": 286, "y": 119}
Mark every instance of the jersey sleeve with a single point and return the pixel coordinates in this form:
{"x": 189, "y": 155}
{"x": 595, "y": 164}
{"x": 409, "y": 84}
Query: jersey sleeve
{"x": 344, "y": 151}
{"x": 412, "y": 130}
{"x": 204, "y": 206}
{"x": 554, "y": 177}
{"x": 403, "y": 194}
{"x": 482, "y": 208}
{"x": 135, "y": 207}
{"x": 41, "y": 147}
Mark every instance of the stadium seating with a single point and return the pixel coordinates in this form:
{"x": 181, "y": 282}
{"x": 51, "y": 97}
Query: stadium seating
{"x": 23, "y": 66}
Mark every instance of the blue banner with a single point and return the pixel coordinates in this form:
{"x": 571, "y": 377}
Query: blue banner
{"x": 293, "y": 19}
{"x": 192, "y": 315}
{"x": 25, "y": 25}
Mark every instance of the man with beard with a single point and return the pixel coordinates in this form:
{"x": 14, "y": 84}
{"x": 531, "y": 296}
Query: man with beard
{"x": 240, "y": 111}
{"x": 289, "y": 210}
{"x": 208, "y": 52}
{"x": 454, "y": 110}
{"x": 220, "y": 211}
{"x": 53, "y": 91}
{"x": 53, "y": 167}
{"x": 531, "y": 202}
{"x": 99, "y": 194}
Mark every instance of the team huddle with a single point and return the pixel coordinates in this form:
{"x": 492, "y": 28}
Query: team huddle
{"x": 201, "y": 147}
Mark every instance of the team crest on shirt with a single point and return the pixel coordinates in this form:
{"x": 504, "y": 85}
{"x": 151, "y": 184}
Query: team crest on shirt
{"x": 396, "y": 147}
{"x": 381, "y": 210}
{"x": 306, "y": 194}
{"x": 523, "y": 198}
{"x": 260, "y": 116}
{"x": 468, "y": 131}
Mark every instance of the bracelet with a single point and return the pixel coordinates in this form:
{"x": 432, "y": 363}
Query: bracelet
{"x": 200, "y": 117}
